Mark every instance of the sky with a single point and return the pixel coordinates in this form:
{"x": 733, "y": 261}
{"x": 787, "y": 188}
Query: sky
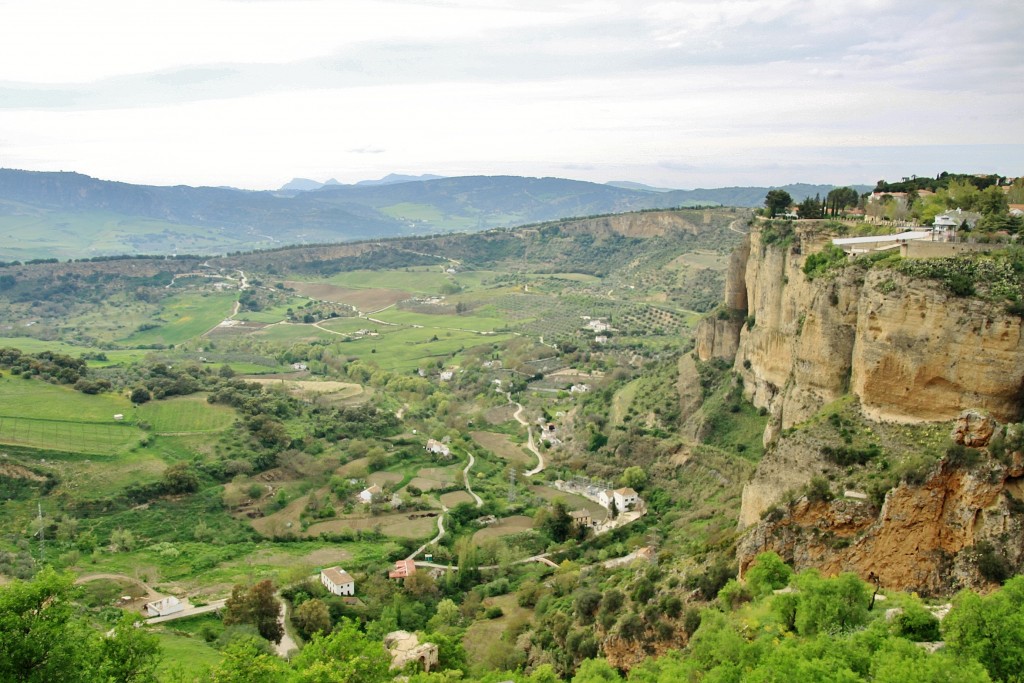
{"x": 685, "y": 94}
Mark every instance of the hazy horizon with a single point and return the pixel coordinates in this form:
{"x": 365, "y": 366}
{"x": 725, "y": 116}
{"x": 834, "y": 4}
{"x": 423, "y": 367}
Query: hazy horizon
{"x": 253, "y": 93}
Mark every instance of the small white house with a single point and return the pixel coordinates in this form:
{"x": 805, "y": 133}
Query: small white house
{"x": 367, "y": 494}
{"x": 625, "y": 499}
{"x": 447, "y": 375}
{"x": 163, "y": 607}
{"x": 604, "y": 498}
{"x": 338, "y": 581}
{"x": 438, "y": 448}
{"x": 579, "y": 388}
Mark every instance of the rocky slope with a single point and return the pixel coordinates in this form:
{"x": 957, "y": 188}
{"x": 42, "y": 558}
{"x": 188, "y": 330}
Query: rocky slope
{"x": 905, "y": 352}
{"x": 932, "y": 537}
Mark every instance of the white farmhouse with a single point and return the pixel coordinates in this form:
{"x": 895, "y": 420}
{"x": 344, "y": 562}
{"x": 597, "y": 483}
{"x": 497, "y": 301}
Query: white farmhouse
{"x": 367, "y": 494}
{"x": 338, "y": 581}
{"x": 438, "y": 448}
{"x": 625, "y": 499}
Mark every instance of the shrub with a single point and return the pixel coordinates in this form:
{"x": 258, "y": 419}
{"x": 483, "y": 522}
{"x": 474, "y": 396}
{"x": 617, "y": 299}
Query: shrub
{"x": 494, "y": 612}
{"x": 819, "y": 490}
{"x": 917, "y": 624}
{"x": 992, "y": 563}
{"x": 768, "y": 573}
{"x": 959, "y": 455}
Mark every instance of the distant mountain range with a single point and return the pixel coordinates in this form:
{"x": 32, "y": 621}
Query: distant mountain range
{"x": 70, "y": 215}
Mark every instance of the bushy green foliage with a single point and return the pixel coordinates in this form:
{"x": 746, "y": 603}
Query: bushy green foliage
{"x": 768, "y": 573}
{"x": 998, "y": 274}
{"x": 917, "y": 624}
{"x": 822, "y": 262}
{"x": 990, "y": 630}
{"x": 43, "y": 638}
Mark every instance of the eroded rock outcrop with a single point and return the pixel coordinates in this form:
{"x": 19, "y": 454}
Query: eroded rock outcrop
{"x": 925, "y": 538}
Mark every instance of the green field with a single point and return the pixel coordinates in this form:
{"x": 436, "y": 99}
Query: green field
{"x": 443, "y": 322}
{"x": 81, "y": 437}
{"x": 39, "y": 400}
{"x": 114, "y": 357}
{"x": 40, "y": 415}
{"x": 185, "y": 414}
{"x": 417, "y": 280}
{"x": 409, "y": 348}
{"x": 185, "y": 317}
{"x": 185, "y": 654}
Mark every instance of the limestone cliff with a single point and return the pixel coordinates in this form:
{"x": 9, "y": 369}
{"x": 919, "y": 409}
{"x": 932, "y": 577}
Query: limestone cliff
{"x": 718, "y": 336}
{"x": 903, "y": 354}
{"x": 908, "y": 349}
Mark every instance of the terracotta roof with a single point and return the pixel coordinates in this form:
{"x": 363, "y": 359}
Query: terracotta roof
{"x": 337, "y": 575}
{"x": 577, "y": 514}
{"x": 625, "y": 492}
{"x": 403, "y": 568}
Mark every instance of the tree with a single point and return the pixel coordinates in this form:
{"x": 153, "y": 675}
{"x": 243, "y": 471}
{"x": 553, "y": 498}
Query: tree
{"x": 596, "y": 671}
{"x": 140, "y": 395}
{"x": 777, "y": 201}
{"x": 634, "y": 477}
{"x": 768, "y": 573}
{"x": 42, "y": 639}
{"x": 255, "y": 605}
{"x": 989, "y": 629}
{"x": 558, "y": 524}
{"x": 346, "y": 654}
{"x": 181, "y": 478}
{"x": 246, "y": 662}
{"x": 312, "y": 617}
{"x": 129, "y": 654}
{"x": 839, "y": 198}
{"x": 811, "y": 207}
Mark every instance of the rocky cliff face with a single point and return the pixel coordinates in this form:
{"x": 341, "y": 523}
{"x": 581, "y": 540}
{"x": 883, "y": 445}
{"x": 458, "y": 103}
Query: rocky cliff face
{"x": 926, "y": 537}
{"x": 909, "y": 350}
{"x": 906, "y": 351}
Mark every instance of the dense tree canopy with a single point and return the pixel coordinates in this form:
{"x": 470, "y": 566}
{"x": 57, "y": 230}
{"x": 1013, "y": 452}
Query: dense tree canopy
{"x": 777, "y": 201}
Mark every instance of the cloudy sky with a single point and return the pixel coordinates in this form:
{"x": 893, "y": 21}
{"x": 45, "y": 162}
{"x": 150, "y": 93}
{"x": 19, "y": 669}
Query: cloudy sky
{"x": 692, "y": 93}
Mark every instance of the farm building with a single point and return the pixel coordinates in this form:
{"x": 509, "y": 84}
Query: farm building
{"x": 625, "y": 498}
{"x": 367, "y": 494}
{"x": 338, "y": 581}
{"x": 403, "y": 569}
{"x": 581, "y": 518}
{"x": 163, "y": 607}
{"x": 438, "y": 448}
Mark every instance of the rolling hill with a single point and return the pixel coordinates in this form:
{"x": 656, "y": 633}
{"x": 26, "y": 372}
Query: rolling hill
{"x": 71, "y": 215}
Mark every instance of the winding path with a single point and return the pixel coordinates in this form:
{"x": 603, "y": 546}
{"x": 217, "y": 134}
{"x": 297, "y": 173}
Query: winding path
{"x": 530, "y": 443}
{"x": 435, "y": 539}
{"x": 465, "y": 479}
{"x": 444, "y": 509}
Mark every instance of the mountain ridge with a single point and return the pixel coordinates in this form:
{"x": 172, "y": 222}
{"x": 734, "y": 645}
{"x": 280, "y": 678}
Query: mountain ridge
{"x": 71, "y": 215}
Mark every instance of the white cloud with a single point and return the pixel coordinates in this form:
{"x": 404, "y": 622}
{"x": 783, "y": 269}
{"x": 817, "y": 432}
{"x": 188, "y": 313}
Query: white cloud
{"x": 250, "y": 93}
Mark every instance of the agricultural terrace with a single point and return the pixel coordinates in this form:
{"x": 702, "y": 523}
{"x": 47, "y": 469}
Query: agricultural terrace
{"x": 35, "y": 414}
{"x": 184, "y": 317}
